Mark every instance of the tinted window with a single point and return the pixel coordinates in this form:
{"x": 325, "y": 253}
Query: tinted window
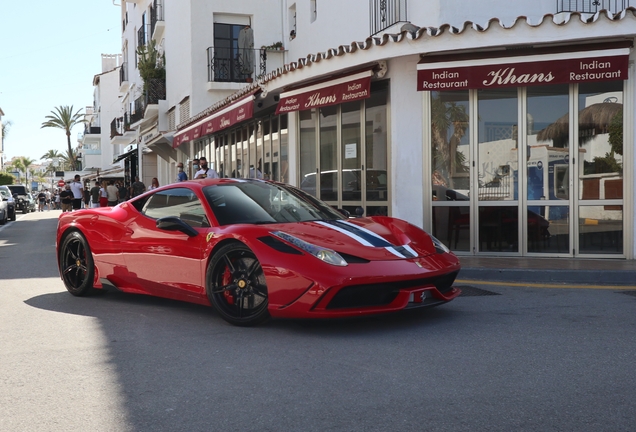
{"x": 179, "y": 202}
{"x": 257, "y": 202}
{"x": 18, "y": 189}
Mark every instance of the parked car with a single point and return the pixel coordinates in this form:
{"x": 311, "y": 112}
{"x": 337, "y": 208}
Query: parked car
{"x": 22, "y": 198}
{"x": 4, "y": 210}
{"x": 5, "y": 194}
{"x": 254, "y": 249}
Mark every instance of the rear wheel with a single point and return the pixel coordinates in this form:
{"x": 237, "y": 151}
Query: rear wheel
{"x": 76, "y": 265}
{"x": 236, "y": 286}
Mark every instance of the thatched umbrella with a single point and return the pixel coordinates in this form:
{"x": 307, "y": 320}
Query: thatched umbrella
{"x": 593, "y": 120}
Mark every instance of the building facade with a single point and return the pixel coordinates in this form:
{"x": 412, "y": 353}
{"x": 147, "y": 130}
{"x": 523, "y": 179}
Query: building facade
{"x": 502, "y": 129}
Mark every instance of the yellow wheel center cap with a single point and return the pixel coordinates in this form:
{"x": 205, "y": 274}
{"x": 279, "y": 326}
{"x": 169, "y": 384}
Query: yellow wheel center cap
{"x": 79, "y": 263}
{"x": 241, "y": 284}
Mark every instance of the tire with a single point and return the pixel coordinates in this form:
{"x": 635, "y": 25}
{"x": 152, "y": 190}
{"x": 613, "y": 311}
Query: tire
{"x": 236, "y": 286}
{"x": 13, "y": 217}
{"x": 76, "y": 265}
{"x": 4, "y": 218}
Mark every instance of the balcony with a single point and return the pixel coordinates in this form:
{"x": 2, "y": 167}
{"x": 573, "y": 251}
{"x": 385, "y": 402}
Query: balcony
{"x": 157, "y": 24}
{"x": 385, "y": 13}
{"x": 234, "y": 65}
{"x": 114, "y": 127}
{"x": 592, "y": 6}
{"x": 143, "y": 35}
{"x": 138, "y": 115}
{"x": 123, "y": 77}
{"x": 92, "y": 130}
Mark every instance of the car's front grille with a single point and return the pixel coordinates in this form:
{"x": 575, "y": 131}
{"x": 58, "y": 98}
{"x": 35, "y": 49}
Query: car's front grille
{"x": 384, "y": 293}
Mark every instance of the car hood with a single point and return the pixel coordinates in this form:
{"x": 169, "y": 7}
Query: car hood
{"x": 373, "y": 239}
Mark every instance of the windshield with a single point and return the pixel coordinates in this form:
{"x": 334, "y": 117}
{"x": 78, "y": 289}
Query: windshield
{"x": 258, "y": 202}
{"x": 18, "y": 189}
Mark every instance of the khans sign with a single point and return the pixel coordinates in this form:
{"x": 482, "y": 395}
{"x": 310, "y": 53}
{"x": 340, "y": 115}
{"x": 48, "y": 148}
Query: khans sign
{"x": 430, "y": 76}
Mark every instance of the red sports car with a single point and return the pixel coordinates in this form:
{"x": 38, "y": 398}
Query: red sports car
{"x": 254, "y": 249}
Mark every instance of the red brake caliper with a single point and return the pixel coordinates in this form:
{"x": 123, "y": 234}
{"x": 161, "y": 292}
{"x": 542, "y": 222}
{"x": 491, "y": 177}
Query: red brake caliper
{"x": 227, "y": 279}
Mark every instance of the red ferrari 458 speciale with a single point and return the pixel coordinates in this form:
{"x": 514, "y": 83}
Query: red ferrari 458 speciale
{"x": 254, "y": 249}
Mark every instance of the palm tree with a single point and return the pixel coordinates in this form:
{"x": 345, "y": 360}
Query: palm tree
{"x": 447, "y": 117}
{"x": 51, "y": 154}
{"x": 64, "y": 118}
{"x": 22, "y": 164}
{"x": 68, "y": 160}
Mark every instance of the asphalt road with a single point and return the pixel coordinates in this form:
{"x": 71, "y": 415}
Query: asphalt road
{"x": 526, "y": 359}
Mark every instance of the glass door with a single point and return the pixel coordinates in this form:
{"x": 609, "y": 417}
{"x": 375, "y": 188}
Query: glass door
{"x": 547, "y": 182}
{"x": 497, "y": 160}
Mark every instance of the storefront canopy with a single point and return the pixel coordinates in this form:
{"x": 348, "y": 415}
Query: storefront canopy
{"x": 345, "y": 89}
{"x": 520, "y": 71}
{"x": 236, "y": 112}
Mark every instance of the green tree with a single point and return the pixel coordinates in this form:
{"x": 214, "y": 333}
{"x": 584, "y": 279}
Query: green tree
{"x": 22, "y": 164}
{"x": 64, "y": 118}
{"x": 6, "y": 179}
{"x": 150, "y": 64}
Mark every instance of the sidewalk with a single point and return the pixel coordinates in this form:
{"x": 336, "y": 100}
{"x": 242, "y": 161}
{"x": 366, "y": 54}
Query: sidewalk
{"x": 549, "y": 270}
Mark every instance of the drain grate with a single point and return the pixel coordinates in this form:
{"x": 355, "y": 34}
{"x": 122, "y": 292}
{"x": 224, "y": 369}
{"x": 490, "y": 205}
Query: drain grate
{"x": 631, "y": 293}
{"x": 471, "y": 291}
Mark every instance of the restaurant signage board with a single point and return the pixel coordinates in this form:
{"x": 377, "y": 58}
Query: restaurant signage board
{"x": 521, "y": 73}
{"x": 334, "y": 92}
{"x": 229, "y": 116}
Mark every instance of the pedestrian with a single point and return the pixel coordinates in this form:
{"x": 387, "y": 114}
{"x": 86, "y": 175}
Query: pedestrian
{"x": 87, "y": 197}
{"x": 78, "y": 192}
{"x": 103, "y": 194}
{"x": 58, "y": 204}
{"x": 48, "y": 199}
{"x": 66, "y": 198}
{"x": 123, "y": 192}
{"x": 154, "y": 184}
{"x": 111, "y": 192}
{"x": 204, "y": 171}
{"x": 137, "y": 188}
{"x": 95, "y": 195}
{"x": 181, "y": 175}
{"x": 41, "y": 201}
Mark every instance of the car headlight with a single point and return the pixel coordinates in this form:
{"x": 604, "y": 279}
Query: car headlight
{"x": 439, "y": 246}
{"x": 327, "y": 255}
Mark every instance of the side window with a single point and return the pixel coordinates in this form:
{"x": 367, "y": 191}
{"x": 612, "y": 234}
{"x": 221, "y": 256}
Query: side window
{"x": 179, "y": 202}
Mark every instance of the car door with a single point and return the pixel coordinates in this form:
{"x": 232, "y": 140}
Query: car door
{"x": 167, "y": 263}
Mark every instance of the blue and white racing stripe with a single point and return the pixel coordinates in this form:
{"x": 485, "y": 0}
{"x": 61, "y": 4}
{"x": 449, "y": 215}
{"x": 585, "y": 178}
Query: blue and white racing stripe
{"x": 368, "y": 238}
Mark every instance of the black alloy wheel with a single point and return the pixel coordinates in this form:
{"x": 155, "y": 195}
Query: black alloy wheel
{"x": 76, "y": 264}
{"x": 236, "y": 286}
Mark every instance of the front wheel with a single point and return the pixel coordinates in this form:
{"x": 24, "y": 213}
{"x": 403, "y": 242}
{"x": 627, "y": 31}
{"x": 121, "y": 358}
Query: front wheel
{"x": 76, "y": 265}
{"x": 236, "y": 286}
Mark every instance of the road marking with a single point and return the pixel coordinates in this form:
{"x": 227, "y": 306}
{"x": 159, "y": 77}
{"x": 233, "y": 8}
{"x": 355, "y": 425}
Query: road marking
{"x": 539, "y": 285}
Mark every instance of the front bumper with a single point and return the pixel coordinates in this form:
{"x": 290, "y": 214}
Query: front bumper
{"x": 378, "y": 287}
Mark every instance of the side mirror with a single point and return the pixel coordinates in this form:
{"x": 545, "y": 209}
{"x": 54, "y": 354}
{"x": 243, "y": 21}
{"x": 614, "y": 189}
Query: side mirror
{"x": 173, "y": 223}
{"x": 344, "y": 212}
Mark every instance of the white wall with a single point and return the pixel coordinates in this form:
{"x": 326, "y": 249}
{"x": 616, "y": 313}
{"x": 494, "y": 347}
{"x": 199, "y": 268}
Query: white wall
{"x": 406, "y": 141}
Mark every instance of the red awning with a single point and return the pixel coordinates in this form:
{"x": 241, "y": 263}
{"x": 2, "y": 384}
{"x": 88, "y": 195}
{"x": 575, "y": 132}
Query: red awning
{"x": 544, "y": 69}
{"x": 236, "y": 112}
{"x": 346, "y": 89}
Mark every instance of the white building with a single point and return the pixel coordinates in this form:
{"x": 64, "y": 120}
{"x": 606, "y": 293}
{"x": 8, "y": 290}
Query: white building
{"x": 97, "y": 152}
{"x": 502, "y": 128}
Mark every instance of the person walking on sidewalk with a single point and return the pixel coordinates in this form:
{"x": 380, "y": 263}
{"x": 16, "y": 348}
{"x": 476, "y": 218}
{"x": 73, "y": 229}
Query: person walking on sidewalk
{"x": 78, "y": 192}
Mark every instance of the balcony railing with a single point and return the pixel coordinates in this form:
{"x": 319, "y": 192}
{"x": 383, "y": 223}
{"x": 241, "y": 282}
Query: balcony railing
{"x": 143, "y": 35}
{"x": 385, "y": 13}
{"x": 155, "y": 91}
{"x": 592, "y": 6}
{"x": 140, "y": 107}
{"x": 114, "y": 127}
{"x": 156, "y": 14}
{"x": 123, "y": 73}
{"x": 92, "y": 130}
{"x": 236, "y": 64}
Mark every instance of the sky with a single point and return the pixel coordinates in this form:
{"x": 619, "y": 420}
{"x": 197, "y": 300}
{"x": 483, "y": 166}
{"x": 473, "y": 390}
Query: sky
{"x": 50, "y": 52}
